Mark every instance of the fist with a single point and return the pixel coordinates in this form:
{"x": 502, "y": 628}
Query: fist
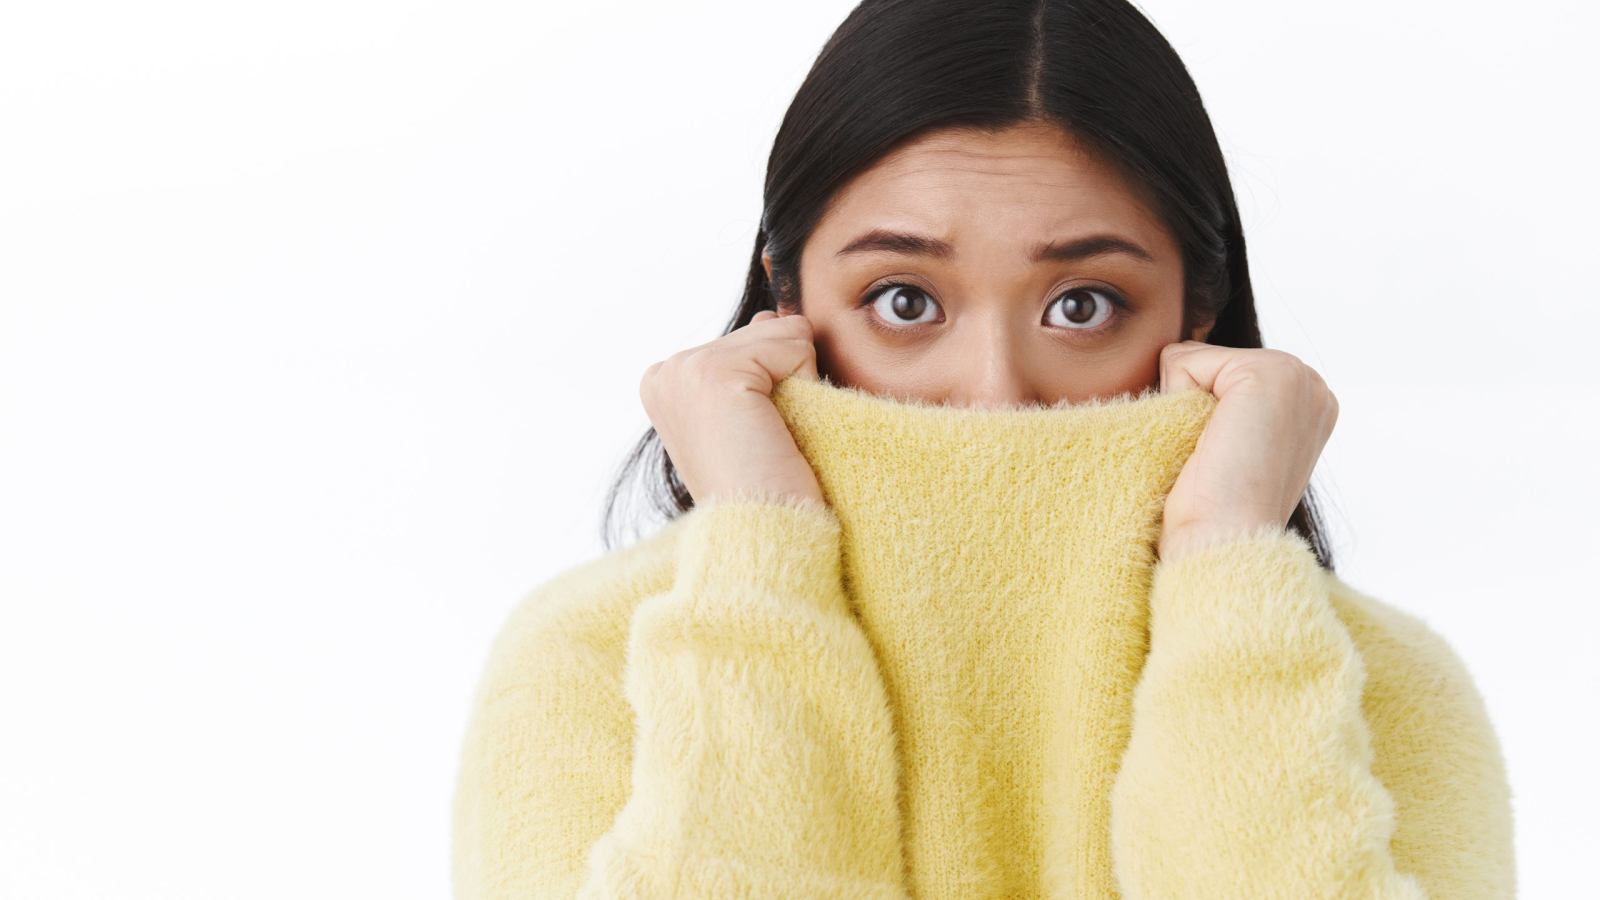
{"x": 712, "y": 407}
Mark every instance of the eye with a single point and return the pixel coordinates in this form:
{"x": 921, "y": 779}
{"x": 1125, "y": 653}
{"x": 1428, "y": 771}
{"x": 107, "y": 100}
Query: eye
{"x": 1085, "y": 309}
{"x": 902, "y": 304}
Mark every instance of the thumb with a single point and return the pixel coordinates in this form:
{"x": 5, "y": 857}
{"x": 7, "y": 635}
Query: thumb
{"x": 808, "y": 368}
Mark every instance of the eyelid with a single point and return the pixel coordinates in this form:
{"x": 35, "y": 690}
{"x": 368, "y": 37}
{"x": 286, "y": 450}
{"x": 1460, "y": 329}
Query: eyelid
{"x": 869, "y": 299}
{"x": 896, "y": 281}
{"x": 870, "y": 296}
{"x": 1115, "y": 295}
{"x": 906, "y": 281}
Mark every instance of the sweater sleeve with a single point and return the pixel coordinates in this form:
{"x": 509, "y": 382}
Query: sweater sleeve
{"x": 762, "y": 762}
{"x": 1250, "y": 766}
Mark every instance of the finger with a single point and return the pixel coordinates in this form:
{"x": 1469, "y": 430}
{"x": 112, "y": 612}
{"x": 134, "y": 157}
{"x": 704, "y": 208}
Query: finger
{"x": 1171, "y": 378}
{"x": 734, "y": 337}
{"x": 807, "y": 339}
{"x": 1193, "y": 364}
{"x": 808, "y": 367}
{"x": 795, "y": 353}
{"x": 753, "y": 330}
{"x": 758, "y": 328}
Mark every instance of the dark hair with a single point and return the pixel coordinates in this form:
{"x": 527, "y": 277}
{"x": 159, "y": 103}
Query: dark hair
{"x": 896, "y": 70}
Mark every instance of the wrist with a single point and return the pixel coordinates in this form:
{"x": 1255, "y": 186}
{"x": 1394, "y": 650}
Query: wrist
{"x": 1182, "y": 540}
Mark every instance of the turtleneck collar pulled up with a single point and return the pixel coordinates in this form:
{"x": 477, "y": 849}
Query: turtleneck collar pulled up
{"x": 1000, "y": 562}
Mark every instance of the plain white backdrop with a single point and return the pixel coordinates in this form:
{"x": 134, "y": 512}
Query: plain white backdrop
{"x": 321, "y": 325}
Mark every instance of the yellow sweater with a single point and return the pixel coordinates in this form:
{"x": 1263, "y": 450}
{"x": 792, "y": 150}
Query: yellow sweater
{"x": 970, "y": 678}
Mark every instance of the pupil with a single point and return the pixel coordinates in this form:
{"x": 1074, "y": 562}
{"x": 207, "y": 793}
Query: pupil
{"x": 909, "y": 309}
{"x": 1078, "y": 310}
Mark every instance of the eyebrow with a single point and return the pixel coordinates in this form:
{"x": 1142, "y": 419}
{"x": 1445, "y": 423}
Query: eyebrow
{"x": 881, "y": 240}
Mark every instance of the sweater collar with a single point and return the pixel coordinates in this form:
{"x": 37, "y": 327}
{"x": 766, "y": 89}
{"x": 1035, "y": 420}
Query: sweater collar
{"x": 999, "y": 563}
{"x": 921, "y": 482}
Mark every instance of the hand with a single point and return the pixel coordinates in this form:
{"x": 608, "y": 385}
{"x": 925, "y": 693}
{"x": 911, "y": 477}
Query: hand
{"x": 1255, "y": 457}
{"x": 712, "y": 407}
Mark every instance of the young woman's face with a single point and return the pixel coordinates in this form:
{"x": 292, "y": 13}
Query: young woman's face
{"x": 992, "y": 270}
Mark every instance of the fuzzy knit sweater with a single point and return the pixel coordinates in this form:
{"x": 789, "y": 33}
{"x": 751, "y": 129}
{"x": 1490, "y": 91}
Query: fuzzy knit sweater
{"x": 969, "y": 677}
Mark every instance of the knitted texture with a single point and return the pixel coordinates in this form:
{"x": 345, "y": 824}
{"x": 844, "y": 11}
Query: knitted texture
{"x": 968, "y": 676}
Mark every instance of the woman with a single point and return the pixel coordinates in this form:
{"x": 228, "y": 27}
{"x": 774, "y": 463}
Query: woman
{"x": 992, "y": 568}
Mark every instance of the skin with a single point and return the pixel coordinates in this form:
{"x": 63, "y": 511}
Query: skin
{"x": 986, "y": 326}
{"x": 989, "y": 327}
{"x": 1255, "y": 456}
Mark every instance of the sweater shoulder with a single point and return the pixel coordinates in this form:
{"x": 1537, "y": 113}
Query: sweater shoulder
{"x": 1434, "y": 747}
{"x": 582, "y": 614}
{"x": 1397, "y": 643}
{"x": 1419, "y": 695}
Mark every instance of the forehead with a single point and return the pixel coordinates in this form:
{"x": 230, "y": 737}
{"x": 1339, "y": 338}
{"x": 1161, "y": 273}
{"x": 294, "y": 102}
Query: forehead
{"x": 1028, "y": 181}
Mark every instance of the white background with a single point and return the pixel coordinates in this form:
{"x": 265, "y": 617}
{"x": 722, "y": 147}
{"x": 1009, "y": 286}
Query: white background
{"x": 321, "y": 325}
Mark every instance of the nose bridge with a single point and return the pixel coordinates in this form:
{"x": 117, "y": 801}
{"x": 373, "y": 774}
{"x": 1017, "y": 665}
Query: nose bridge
{"x": 991, "y": 371}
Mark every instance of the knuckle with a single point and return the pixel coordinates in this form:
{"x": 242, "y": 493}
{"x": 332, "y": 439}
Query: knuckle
{"x": 674, "y": 361}
{"x": 648, "y": 385}
{"x": 651, "y": 374}
{"x": 696, "y": 365}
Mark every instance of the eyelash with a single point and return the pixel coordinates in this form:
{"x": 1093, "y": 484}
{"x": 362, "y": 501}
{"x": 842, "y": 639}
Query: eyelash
{"x": 1121, "y": 305}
